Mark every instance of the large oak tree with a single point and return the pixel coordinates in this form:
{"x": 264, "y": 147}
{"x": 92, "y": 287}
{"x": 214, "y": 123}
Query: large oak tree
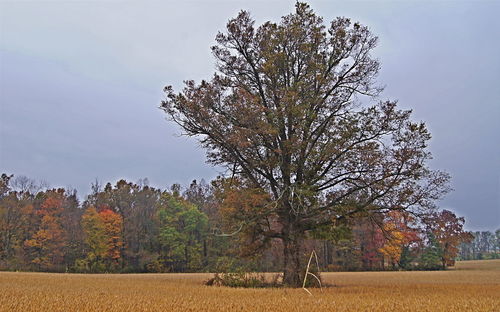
{"x": 293, "y": 110}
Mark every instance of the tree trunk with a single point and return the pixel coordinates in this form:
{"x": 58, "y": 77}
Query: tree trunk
{"x": 292, "y": 269}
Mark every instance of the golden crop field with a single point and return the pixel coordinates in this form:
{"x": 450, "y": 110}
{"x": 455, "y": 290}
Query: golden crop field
{"x": 471, "y": 286}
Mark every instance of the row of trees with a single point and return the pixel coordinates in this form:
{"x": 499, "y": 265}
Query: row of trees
{"x": 486, "y": 245}
{"x": 122, "y": 228}
{"x": 397, "y": 241}
{"x": 132, "y": 227}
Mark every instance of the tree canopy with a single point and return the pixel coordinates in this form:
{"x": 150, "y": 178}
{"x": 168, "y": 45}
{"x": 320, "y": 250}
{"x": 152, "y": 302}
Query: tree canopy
{"x": 293, "y": 109}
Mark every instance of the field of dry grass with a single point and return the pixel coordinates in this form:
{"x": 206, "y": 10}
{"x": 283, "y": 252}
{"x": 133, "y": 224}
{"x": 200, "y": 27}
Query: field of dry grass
{"x": 471, "y": 286}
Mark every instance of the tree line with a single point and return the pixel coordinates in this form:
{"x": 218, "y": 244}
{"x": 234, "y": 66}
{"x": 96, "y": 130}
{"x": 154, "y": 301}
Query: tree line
{"x": 485, "y": 245}
{"x": 133, "y": 227}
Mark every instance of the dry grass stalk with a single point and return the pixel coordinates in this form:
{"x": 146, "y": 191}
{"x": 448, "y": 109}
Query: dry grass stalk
{"x": 309, "y": 273}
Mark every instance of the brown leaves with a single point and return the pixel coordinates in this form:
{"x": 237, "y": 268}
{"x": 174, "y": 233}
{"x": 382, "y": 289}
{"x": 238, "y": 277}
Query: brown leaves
{"x": 448, "y": 231}
{"x": 282, "y": 113}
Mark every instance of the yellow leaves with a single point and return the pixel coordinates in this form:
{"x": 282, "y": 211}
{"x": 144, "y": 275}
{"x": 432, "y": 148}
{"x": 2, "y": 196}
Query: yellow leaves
{"x": 103, "y": 232}
{"x": 393, "y": 242}
{"x": 32, "y": 243}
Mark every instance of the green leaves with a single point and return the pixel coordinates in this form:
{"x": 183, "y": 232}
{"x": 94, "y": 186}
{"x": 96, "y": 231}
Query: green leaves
{"x": 182, "y": 232}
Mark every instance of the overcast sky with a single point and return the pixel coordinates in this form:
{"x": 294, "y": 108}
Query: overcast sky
{"x": 81, "y": 82}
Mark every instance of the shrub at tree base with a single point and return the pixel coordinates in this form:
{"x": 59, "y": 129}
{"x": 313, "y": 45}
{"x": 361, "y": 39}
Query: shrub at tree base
{"x": 255, "y": 280}
{"x": 240, "y": 279}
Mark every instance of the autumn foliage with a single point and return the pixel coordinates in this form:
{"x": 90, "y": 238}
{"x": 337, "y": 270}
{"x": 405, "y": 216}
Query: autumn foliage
{"x": 448, "y": 231}
{"x": 45, "y": 248}
{"x": 130, "y": 227}
{"x": 103, "y": 238}
{"x": 292, "y": 112}
{"x": 398, "y": 235}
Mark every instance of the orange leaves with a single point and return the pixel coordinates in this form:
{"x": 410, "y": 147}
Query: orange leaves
{"x": 113, "y": 226}
{"x": 246, "y": 211}
{"x": 52, "y": 205}
{"x": 103, "y": 232}
{"x": 45, "y": 247}
{"x": 398, "y": 234}
{"x": 239, "y": 201}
